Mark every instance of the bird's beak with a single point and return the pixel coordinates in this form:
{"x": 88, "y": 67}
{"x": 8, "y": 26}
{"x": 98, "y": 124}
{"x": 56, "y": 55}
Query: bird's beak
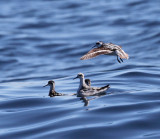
{"x": 94, "y": 46}
{"x": 45, "y": 85}
{"x": 75, "y": 78}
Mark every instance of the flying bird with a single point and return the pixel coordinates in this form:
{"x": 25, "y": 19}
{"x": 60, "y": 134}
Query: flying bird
{"x": 102, "y": 48}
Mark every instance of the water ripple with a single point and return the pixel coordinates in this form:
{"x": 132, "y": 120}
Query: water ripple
{"x": 44, "y": 40}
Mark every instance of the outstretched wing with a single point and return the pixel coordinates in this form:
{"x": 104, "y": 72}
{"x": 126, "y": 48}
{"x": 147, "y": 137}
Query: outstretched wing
{"x": 95, "y": 52}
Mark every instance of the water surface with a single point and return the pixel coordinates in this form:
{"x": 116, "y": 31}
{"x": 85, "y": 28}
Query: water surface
{"x": 43, "y": 40}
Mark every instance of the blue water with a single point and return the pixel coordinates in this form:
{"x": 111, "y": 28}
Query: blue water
{"x": 43, "y": 40}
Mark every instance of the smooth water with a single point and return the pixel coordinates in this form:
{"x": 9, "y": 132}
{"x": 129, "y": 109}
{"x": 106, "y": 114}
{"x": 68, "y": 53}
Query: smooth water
{"x": 43, "y": 40}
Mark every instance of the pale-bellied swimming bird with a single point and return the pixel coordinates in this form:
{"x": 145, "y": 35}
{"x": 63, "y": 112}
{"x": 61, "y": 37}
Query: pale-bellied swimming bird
{"x": 104, "y": 49}
{"x": 52, "y": 91}
{"x": 85, "y": 90}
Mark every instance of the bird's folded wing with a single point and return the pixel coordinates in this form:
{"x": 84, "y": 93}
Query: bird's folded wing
{"x": 89, "y": 92}
{"x": 104, "y": 88}
{"x": 95, "y": 52}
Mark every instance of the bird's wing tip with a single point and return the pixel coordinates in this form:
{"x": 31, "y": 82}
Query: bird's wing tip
{"x": 82, "y": 58}
{"x": 127, "y": 56}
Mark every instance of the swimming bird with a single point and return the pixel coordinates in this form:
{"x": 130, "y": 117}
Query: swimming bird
{"x": 52, "y": 91}
{"x": 88, "y": 82}
{"x": 85, "y": 90}
{"x": 104, "y": 49}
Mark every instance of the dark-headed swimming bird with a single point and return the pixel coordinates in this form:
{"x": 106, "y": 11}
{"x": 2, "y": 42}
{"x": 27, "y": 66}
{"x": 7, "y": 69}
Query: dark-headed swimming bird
{"x": 88, "y": 82}
{"x": 52, "y": 91}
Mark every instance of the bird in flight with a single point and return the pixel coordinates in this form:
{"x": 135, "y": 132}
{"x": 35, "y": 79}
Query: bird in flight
{"x": 102, "y": 48}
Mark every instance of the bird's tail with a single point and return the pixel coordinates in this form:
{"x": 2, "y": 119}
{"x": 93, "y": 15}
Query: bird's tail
{"x": 122, "y": 54}
{"x": 104, "y": 88}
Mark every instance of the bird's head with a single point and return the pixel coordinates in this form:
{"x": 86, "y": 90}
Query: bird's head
{"x": 98, "y": 44}
{"x": 50, "y": 83}
{"x": 79, "y": 75}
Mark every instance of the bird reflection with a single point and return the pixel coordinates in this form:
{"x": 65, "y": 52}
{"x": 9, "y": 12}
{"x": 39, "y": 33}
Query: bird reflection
{"x": 86, "y": 100}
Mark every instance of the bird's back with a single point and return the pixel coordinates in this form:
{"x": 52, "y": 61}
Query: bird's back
{"x": 92, "y": 91}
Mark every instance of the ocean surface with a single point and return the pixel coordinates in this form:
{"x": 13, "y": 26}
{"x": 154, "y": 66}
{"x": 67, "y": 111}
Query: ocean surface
{"x": 43, "y": 40}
